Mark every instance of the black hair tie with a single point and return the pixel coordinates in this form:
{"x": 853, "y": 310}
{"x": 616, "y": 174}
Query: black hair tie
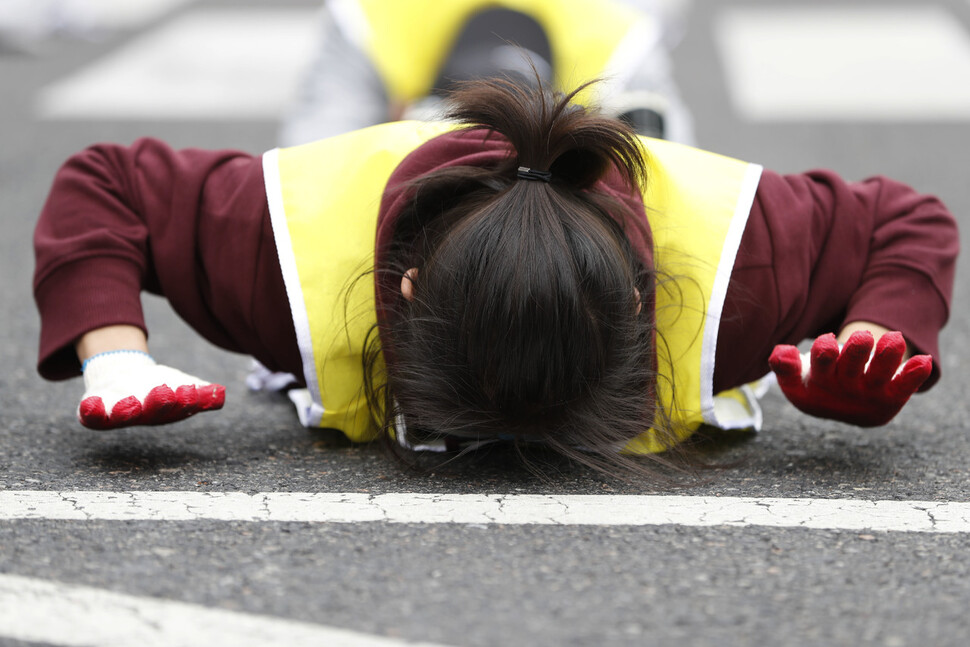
{"x": 526, "y": 173}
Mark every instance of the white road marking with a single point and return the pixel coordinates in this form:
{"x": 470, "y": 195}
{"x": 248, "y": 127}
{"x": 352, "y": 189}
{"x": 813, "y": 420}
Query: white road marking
{"x": 515, "y": 509}
{"x": 120, "y": 14}
{"x": 61, "y": 614}
{"x": 872, "y": 63}
{"x": 206, "y": 64}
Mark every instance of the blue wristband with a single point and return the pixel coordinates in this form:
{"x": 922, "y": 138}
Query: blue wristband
{"x": 84, "y": 364}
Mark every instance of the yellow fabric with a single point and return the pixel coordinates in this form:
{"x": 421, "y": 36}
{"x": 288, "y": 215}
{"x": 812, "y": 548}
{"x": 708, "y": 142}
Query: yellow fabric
{"x": 331, "y": 194}
{"x": 691, "y": 198}
{"x": 408, "y": 40}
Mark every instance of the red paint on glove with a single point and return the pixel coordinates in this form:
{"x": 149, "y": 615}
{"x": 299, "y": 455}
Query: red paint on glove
{"x": 161, "y": 406}
{"x": 839, "y": 385}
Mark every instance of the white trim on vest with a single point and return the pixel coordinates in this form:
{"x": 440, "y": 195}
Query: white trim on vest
{"x": 310, "y": 414}
{"x": 722, "y": 279}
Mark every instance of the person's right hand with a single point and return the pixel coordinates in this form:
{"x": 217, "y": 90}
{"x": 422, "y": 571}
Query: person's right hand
{"x": 125, "y": 390}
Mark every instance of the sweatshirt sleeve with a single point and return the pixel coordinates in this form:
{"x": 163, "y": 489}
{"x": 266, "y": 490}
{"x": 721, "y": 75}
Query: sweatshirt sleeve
{"x": 819, "y": 252}
{"x": 189, "y": 224}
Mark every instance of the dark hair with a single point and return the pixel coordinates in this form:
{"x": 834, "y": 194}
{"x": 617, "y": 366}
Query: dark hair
{"x": 524, "y": 323}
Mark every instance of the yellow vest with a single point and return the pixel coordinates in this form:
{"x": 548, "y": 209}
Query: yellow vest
{"x": 588, "y": 38}
{"x": 324, "y": 199}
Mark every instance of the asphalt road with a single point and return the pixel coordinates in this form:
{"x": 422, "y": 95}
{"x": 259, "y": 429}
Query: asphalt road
{"x": 492, "y": 585}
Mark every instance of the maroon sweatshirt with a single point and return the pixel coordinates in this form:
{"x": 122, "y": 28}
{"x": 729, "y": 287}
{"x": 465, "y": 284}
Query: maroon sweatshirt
{"x": 193, "y": 226}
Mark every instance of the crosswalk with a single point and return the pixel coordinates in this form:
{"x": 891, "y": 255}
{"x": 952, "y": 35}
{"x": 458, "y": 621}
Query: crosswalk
{"x": 64, "y": 613}
{"x": 805, "y": 63}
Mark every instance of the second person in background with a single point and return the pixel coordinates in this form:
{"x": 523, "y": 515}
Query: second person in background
{"x": 384, "y": 60}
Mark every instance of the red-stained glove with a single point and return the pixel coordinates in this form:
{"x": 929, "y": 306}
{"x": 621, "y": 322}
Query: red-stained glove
{"x": 127, "y": 388}
{"x": 848, "y": 385}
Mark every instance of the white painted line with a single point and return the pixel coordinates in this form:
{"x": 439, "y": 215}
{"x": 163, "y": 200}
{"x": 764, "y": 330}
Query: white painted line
{"x": 119, "y": 14}
{"x": 515, "y": 509}
{"x": 60, "y": 614}
{"x": 873, "y": 63}
{"x": 206, "y": 64}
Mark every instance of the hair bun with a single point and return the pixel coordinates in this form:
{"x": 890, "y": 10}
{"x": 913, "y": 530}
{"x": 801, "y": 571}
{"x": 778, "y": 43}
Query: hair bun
{"x": 547, "y": 131}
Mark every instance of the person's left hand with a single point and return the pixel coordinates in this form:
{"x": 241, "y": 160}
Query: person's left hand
{"x": 855, "y": 385}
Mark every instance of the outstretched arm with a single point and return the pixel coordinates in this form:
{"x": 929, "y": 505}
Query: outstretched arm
{"x": 821, "y": 255}
{"x": 189, "y": 225}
